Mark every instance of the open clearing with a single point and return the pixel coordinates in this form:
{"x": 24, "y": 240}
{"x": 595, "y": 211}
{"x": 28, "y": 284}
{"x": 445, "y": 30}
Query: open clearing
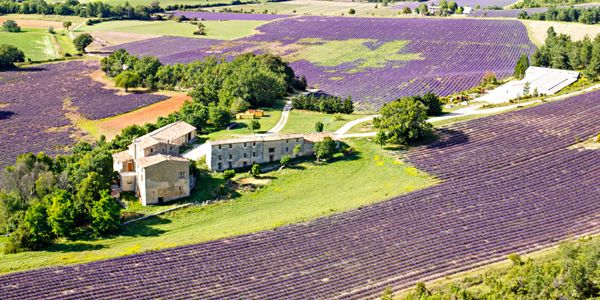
{"x": 303, "y": 121}
{"x": 221, "y": 30}
{"x": 318, "y": 8}
{"x": 537, "y": 30}
{"x": 293, "y": 195}
{"x": 37, "y": 44}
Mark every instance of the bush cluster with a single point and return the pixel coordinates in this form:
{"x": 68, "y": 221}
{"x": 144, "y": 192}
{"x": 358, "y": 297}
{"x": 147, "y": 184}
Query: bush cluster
{"x": 323, "y": 103}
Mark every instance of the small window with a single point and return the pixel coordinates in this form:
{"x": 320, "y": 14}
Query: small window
{"x": 244, "y": 144}
{"x": 253, "y": 143}
{"x": 287, "y": 149}
{"x": 219, "y": 146}
{"x": 244, "y": 164}
{"x": 297, "y": 140}
{"x": 220, "y": 157}
{"x": 230, "y": 146}
{"x": 151, "y": 150}
{"x": 129, "y": 182}
{"x": 219, "y": 166}
{"x": 182, "y": 175}
{"x": 230, "y": 156}
{"x": 253, "y": 154}
{"x": 230, "y": 165}
{"x": 245, "y": 155}
{"x": 271, "y": 150}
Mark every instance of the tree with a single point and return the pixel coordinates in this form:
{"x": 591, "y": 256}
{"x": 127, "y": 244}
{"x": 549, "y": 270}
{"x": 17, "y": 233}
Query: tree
{"x": 201, "y": 29}
{"x": 67, "y": 24}
{"x": 82, "y": 41}
{"x": 219, "y": 116}
{"x": 60, "y": 213}
{"x": 51, "y": 30}
{"x": 106, "y": 214}
{"x": 254, "y": 125}
{"x": 298, "y": 148}
{"x": 423, "y": 9}
{"x": 351, "y": 11}
{"x": 406, "y": 10}
{"x": 285, "y": 160}
{"x": 325, "y": 149}
{"x": 526, "y": 88}
{"x": 433, "y": 103}
{"x": 388, "y": 294}
{"x": 255, "y": 170}
{"x": 319, "y": 126}
{"x": 403, "y": 121}
{"x": 33, "y": 233}
{"x": 128, "y": 79}
{"x": 10, "y": 26}
{"x": 228, "y": 175}
{"x": 88, "y": 192}
{"x": 9, "y": 55}
{"x": 380, "y": 138}
{"x": 521, "y": 67}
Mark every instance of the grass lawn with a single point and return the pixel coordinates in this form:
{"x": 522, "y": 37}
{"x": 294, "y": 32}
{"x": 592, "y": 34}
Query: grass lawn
{"x": 221, "y": 30}
{"x": 292, "y": 195}
{"x": 303, "y": 121}
{"x": 272, "y": 115}
{"x": 37, "y": 44}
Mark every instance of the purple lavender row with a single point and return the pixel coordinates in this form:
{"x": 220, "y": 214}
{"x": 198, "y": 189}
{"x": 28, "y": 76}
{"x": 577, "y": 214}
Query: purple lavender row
{"x": 506, "y": 13}
{"x": 515, "y": 202}
{"x": 36, "y": 99}
{"x": 470, "y": 3}
{"x": 217, "y": 16}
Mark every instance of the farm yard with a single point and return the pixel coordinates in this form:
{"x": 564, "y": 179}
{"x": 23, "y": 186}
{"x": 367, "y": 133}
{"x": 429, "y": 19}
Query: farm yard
{"x": 500, "y": 195}
{"x": 44, "y": 124}
{"x": 398, "y": 55}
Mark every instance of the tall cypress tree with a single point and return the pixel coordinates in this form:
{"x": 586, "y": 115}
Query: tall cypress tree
{"x": 521, "y": 67}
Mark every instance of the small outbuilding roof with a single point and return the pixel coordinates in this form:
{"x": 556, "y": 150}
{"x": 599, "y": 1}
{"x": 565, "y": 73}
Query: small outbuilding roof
{"x": 158, "y": 158}
{"x": 122, "y": 156}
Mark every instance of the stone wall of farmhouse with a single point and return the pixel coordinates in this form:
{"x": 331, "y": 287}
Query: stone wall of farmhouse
{"x": 239, "y": 155}
{"x": 168, "y": 180}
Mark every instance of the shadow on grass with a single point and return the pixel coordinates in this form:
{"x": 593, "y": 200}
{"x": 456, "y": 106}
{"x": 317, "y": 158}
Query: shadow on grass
{"x": 74, "y": 247}
{"x": 144, "y": 228}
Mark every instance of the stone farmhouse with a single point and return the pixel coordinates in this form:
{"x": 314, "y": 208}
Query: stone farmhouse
{"x": 152, "y": 167}
{"x": 246, "y": 151}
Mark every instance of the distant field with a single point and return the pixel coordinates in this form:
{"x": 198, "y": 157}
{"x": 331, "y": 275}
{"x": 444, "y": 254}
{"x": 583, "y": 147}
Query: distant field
{"x": 220, "y": 30}
{"x": 289, "y": 196}
{"x": 537, "y": 30}
{"x": 37, "y": 44}
{"x": 163, "y": 3}
{"x": 318, "y": 8}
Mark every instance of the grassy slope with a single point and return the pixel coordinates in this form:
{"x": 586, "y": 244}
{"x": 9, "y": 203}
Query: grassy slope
{"x": 272, "y": 115}
{"x": 37, "y": 44}
{"x": 293, "y": 195}
{"x": 325, "y": 8}
{"x": 302, "y": 121}
{"x": 222, "y": 30}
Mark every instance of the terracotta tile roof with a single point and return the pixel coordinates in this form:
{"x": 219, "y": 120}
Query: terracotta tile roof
{"x": 158, "y": 158}
{"x": 317, "y": 137}
{"x": 122, "y": 156}
{"x": 165, "y": 134}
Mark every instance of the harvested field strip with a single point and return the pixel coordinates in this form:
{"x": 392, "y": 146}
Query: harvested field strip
{"x": 512, "y": 185}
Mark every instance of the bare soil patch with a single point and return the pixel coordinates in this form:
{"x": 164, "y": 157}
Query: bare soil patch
{"x": 34, "y": 23}
{"x": 107, "y": 38}
{"x": 112, "y": 126}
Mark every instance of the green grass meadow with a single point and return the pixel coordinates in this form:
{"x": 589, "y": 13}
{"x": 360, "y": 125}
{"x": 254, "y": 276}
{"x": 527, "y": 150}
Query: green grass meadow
{"x": 303, "y": 192}
{"x": 303, "y": 121}
{"x": 38, "y": 44}
{"x": 221, "y": 30}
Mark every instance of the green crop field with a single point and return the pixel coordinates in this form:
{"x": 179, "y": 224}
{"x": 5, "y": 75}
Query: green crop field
{"x": 317, "y": 8}
{"x": 38, "y": 44}
{"x": 297, "y": 194}
{"x": 221, "y": 30}
{"x": 303, "y": 121}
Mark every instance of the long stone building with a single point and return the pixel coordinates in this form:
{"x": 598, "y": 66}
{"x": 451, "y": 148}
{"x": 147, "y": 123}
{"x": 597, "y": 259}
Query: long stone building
{"x": 246, "y": 151}
{"x": 151, "y": 166}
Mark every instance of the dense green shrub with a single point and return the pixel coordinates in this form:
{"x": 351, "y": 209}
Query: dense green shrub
{"x": 10, "y": 26}
{"x": 323, "y": 103}
{"x": 403, "y": 121}
{"x": 9, "y": 55}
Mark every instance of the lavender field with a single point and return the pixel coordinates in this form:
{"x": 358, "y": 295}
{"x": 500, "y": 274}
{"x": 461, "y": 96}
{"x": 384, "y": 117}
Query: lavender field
{"x": 34, "y": 101}
{"x": 470, "y": 3}
{"x": 217, "y": 16}
{"x": 378, "y": 60}
{"x": 506, "y": 13}
{"x": 511, "y": 184}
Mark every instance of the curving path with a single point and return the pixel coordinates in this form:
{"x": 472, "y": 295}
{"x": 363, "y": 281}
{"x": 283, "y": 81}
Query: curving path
{"x": 283, "y": 119}
{"x": 510, "y": 184}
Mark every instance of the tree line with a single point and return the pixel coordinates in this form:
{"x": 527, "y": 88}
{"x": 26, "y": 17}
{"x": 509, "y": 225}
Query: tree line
{"x": 323, "y": 103}
{"x": 546, "y": 3}
{"x": 589, "y": 15}
{"x": 85, "y": 10}
{"x": 560, "y": 52}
